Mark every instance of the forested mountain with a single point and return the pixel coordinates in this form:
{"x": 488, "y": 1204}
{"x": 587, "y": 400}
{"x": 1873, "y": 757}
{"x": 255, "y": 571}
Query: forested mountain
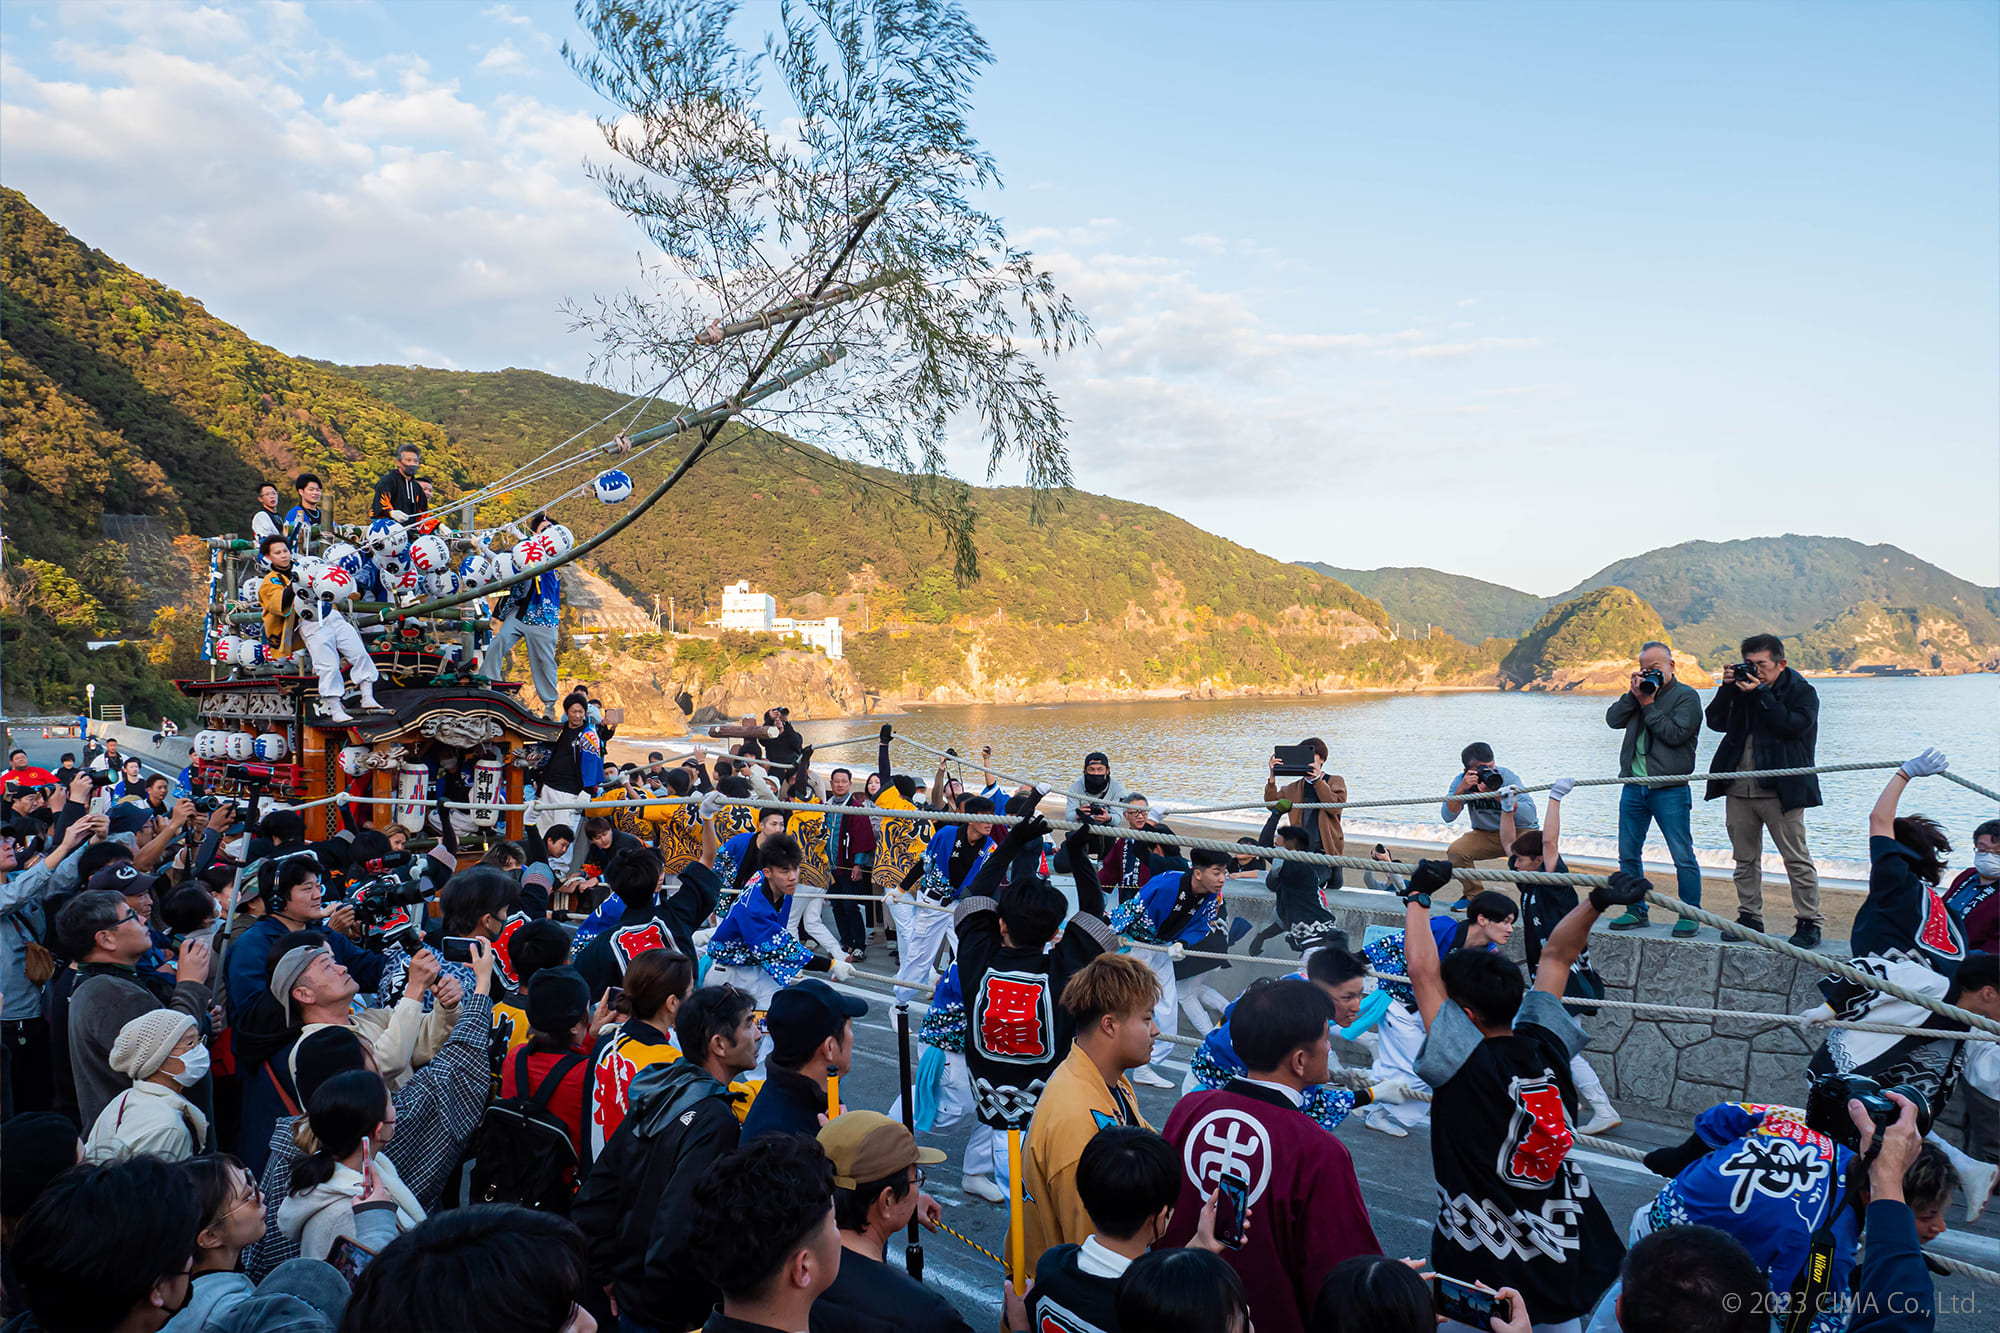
{"x": 1588, "y": 641}
{"x": 1471, "y": 609}
{"x": 125, "y": 398}
{"x": 1106, "y": 596}
{"x": 120, "y": 395}
{"x": 1713, "y": 594}
{"x": 1837, "y": 603}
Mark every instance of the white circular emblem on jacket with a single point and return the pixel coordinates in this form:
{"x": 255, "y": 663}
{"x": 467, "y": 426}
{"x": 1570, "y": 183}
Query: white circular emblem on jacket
{"x": 1228, "y": 1141}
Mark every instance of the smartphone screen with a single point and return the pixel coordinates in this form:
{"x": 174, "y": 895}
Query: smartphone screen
{"x": 348, "y": 1257}
{"x": 1467, "y": 1304}
{"x": 1231, "y": 1208}
{"x": 614, "y": 997}
{"x": 456, "y": 948}
{"x": 100, "y": 801}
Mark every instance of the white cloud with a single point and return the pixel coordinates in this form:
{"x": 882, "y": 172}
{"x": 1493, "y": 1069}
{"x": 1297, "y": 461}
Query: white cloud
{"x": 355, "y": 210}
{"x": 503, "y": 59}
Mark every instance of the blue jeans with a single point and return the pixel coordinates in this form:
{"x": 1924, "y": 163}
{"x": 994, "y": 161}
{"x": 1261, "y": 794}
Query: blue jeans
{"x": 1670, "y": 808}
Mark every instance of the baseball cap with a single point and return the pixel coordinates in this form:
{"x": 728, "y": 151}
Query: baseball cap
{"x": 124, "y": 878}
{"x": 867, "y": 1145}
{"x": 290, "y": 968}
{"x": 803, "y": 1015}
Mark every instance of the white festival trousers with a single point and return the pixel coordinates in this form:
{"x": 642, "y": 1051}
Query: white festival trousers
{"x": 984, "y": 1156}
{"x": 1167, "y": 1012}
{"x": 920, "y": 933}
{"x": 328, "y": 642}
{"x": 1402, "y": 1030}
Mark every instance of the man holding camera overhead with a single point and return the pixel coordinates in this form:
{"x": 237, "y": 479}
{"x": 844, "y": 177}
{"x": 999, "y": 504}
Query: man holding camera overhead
{"x": 1661, "y": 719}
{"x": 1769, "y": 718}
{"x": 1482, "y": 841}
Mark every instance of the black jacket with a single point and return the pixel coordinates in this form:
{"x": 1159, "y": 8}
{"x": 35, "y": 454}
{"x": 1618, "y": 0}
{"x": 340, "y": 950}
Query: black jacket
{"x": 635, "y": 1207}
{"x": 400, "y": 493}
{"x": 1783, "y": 717}
{"x": 603, "y": 960}
{"x": 788, "y": 1103}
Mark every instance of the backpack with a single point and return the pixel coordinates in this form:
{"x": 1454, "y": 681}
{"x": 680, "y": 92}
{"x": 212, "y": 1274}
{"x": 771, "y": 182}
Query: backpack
{"x": 522, "y": 1149}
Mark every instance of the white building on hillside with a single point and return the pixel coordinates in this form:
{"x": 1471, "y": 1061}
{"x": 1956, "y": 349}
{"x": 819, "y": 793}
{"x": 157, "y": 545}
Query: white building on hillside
{"x": 757, "y": 612}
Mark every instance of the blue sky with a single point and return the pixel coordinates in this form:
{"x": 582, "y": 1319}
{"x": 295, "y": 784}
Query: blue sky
{"x": 1511, "y": 290}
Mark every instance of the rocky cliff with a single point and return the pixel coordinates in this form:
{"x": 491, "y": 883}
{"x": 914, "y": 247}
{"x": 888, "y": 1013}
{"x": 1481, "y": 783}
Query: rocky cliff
{"x": 722, "y": 681}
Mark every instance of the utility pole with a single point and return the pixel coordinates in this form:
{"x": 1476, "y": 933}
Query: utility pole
{"x": 656, "y": 613}
{"x": 670, "y": 615}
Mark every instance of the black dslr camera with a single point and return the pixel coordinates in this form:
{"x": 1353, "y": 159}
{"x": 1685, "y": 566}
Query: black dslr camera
{"x": 1489, "y": 778}
{"x": 1826, "y": 1107}
{"x": 381, "y": 908}
{"x": 1651, "y": 679}
{"x": 1743, "y": 671}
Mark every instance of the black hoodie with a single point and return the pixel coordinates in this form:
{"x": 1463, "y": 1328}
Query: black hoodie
{"x": 635, "y": 1207}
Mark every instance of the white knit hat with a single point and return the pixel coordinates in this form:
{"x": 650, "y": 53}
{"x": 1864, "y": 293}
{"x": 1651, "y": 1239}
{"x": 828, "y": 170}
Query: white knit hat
{"x": 144, "y": 1044}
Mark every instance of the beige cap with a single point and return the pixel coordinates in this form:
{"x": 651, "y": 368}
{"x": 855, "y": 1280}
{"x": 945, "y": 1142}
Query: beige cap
{"x": 867, "y": 1145}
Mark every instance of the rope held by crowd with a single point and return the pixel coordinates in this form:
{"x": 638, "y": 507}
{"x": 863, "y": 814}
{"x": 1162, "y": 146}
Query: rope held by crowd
{"x": 1839, "y": 968}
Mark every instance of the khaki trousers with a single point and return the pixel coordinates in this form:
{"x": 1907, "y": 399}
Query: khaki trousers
{"x": 1477, "y": 845}
{"x": 1749, "y": 817}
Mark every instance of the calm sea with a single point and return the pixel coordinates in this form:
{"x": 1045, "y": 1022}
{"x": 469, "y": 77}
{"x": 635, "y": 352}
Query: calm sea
{"x": 1408, "y": 744}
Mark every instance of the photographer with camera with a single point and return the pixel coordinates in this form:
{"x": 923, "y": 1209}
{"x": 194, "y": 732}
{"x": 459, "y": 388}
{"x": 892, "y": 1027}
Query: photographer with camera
{"x": 1768, "y": 715}
{"x": 1793, "y": 1194}
{"x": 1661, "y": 719}
{"x": 1482, "y": 842}
{"x": 1905, "y": 934}
{"x": 294, "y": 899}
{"x": 1314, "y": 786}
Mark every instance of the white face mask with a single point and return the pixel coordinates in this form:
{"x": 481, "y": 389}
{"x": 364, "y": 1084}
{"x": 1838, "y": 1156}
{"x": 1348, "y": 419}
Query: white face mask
{"x": 194, "y": 1066}
{"x": 1987, "y": 864}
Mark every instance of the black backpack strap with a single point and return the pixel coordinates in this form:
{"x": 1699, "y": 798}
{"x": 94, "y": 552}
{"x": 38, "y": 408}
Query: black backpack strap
{"x": 547, "y": 1088}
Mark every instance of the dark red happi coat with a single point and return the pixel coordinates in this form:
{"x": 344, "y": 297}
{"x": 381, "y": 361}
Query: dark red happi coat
{"x": 1306, "y": 1211}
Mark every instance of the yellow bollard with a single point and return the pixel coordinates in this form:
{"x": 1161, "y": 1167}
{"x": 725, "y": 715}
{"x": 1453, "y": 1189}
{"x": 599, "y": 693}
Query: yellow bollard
{"x": 1016, "y": 1229}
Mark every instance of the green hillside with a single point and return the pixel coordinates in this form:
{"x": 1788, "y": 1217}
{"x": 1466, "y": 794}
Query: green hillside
{"x": 120, "y": 395}
{"x": 1713, "y": 594}
{"x": 1468, "y": 608}
{"x": 1106, "y": 590}
{"x": 1602, "y": 625}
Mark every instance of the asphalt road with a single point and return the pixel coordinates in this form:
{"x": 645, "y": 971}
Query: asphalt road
{"x": 1395, "y": 1177}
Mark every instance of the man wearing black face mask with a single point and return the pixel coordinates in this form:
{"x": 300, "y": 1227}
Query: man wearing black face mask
{"x": 1096, "y": 786}
{"x": 399, "y": 492}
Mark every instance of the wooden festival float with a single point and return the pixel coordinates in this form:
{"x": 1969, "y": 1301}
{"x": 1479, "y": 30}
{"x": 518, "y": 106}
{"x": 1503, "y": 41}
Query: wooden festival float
{"x": 421, "y": 593}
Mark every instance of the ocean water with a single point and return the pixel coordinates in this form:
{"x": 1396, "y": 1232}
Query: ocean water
{"x": 1392, "y": 745}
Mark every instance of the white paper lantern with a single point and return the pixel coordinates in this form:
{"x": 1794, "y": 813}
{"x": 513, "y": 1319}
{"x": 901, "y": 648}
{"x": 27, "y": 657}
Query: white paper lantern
{"x": 559, "y": 539}
{"x": 250, "y": 653}
{"x": 429, "y": 554}
{"x": 345, "y": 556}
{"x": 354, "y": 760}
{"x": 612, "y": 486}
{"x": 441, "y": 583}
{"x": 240, "y": 746}
{"x": 225, "y": 647}
{"x": 386, "y": 537}
{"x": 271, "y": 746}
{"x": 475, "y": 572}
{"x": 334, "y": 582}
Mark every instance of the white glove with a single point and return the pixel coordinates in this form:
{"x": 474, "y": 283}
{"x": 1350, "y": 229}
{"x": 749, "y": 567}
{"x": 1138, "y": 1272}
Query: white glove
{"x": 702, "y": 937}
{"x": 1819, "y": 1015}
{"x": 1176, "y": 951}
{"x": 1391, "y": 1092}
{"x": 1928, "y": 764}
{"x": 711, "y": 803}
{"x": 1561, "y": 788}
{"x": 1509, "y": 795}
{"x": 841, "y": 969}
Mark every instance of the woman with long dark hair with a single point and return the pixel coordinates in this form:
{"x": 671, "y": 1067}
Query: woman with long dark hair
{"x": 344, "y": 1187}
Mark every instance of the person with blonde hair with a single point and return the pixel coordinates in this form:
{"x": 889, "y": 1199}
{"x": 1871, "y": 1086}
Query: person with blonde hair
{"x": 1111, "y": 999}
